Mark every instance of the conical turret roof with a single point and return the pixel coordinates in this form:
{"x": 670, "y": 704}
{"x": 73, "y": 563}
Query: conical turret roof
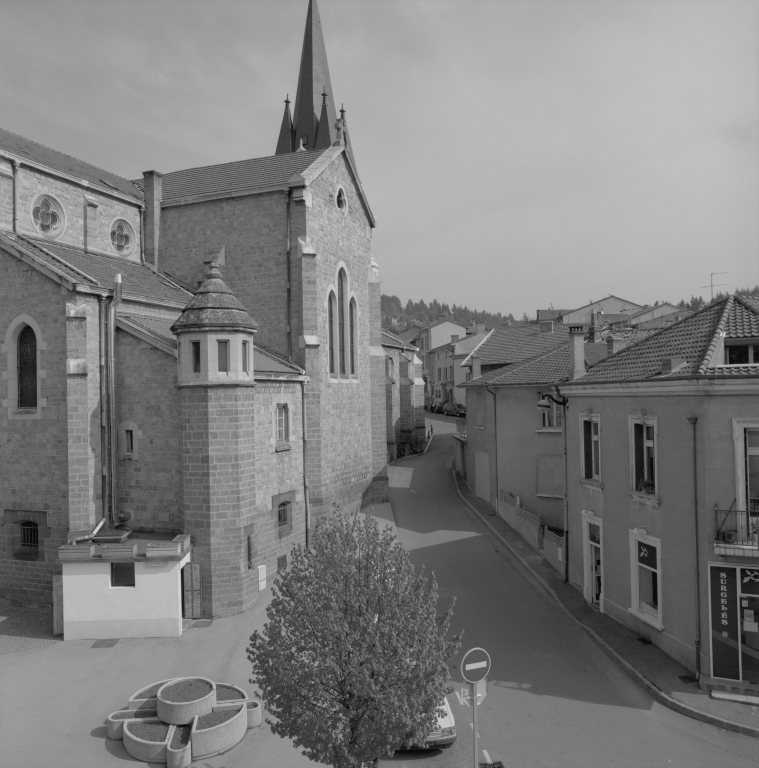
{"x": 285, "y": 140}
{"x": 214, "y": 307}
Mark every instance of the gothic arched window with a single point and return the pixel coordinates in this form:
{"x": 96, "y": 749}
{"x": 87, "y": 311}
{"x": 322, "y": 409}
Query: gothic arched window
{"x": 27, "y": 368}
{"x": 331, "y": 321}
{"x": 352, "y": 339}
{"x": 341, "y": 315}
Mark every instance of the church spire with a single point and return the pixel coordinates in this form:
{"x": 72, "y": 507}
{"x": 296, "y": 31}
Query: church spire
{"x": 313, "y": 82}
{"x": 322, "y": 132}
{"x": 285, "y": 141}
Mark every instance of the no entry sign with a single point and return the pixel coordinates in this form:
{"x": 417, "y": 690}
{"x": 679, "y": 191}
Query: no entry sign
{"x": 475, "y": 665}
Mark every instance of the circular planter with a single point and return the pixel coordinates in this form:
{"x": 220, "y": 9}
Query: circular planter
{"x": 179, "y": 755}
{"x": 183, "y": 698}
{"x": 145, "y": 698}
{"x": 143, "y": 748}
{"x": 115, "y": 721}
{"x": 255, "y": 713}
{"x": 226, "y": 693}
{"x": 221, "y": 737}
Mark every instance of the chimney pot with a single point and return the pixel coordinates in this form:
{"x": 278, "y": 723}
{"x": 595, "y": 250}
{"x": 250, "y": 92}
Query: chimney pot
{"x": 576, "y": 351}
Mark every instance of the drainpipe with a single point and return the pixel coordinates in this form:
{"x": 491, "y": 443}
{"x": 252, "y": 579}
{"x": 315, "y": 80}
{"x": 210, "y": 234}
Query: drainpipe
{"x": 16, "y": 166}
{"x": 104, "y": 412}
{"x": 142, "y": 235}
{"x": 305, "y": 476}
{"x": 693, "y": 420}
{"x": 495, "y": 429}
{"x": 566, "y": 501}
{"x": 112, "y": 430}
{"x": 289, "y": 295}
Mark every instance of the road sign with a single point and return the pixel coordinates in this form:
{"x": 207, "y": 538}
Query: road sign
{"x": 475, "y": 665}
{"x": 480, "y": 692}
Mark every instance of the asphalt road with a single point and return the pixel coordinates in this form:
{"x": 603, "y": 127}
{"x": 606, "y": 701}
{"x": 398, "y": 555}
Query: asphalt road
{"x": 554, "y": 698}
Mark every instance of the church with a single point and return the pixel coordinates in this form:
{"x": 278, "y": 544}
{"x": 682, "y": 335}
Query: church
{"x": 193, "y": 371}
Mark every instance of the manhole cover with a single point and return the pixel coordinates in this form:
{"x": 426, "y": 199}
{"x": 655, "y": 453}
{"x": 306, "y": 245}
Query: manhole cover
{"x": 105, "y": 643}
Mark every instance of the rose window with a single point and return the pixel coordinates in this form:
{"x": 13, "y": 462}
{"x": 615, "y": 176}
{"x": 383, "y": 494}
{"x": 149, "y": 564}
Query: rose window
{"x": 122, "y": 237}
{"x": 48, "y": 216}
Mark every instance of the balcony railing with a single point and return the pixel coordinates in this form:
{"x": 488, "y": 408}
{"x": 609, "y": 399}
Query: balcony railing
{"x": 736, "y": 531}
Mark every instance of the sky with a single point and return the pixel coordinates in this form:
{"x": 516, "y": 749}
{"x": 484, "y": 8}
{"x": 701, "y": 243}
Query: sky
{"x": 517, "y": 154}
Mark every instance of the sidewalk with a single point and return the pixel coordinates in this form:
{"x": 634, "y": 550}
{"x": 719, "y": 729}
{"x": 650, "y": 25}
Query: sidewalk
{"x": 667, "y": 681}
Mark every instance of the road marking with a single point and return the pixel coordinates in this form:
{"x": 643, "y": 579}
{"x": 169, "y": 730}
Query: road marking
{"x": 458, "y": 696}
{"x": 472, "y": 727}
{"x": 487, "y": 756}
{"x": 476, "y": 665}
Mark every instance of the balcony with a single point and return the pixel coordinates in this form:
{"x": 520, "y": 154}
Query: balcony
{"x": 736, "y": 532}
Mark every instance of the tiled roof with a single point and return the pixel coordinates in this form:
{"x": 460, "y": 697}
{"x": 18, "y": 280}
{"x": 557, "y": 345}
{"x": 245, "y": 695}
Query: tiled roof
{"x": 510, "y": 345}
{"x": 693, "y": 340}
{"x": 38, "y": 153}
{"x": 157, "y": 325}
{"x": 239, "y": 176}
{"x": 139, "y": 280}
{"x": 267, "y": 362}
{"x": 548, "y": 368}
{"x": 392, "y": 340}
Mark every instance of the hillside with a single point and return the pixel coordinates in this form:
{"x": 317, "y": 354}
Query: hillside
{"x": 421, "y": 311}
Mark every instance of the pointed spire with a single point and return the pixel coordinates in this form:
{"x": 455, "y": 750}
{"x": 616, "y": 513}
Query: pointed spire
{"x": 322, "y": 133}
{"x": 285, "y": 141}
{"x": 313, "y": 82}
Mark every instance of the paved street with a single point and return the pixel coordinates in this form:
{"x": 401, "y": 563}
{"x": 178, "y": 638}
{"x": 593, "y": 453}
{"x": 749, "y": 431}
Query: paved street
{"x": 554, "y": 698}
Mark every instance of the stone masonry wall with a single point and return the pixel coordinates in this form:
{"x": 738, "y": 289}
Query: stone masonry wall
{"x": 6, "y": 194}
{"x": 148, "y": 403}
{"x": 253, "y": 232}
{"x": 33, "y": 451}
{"x": 79, "y": 215}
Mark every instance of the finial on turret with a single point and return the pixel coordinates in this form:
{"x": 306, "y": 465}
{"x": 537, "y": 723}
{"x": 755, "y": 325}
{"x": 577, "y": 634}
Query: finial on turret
{"x": 324, "y": 97}
{"x": 287, "y": 99}
{"x": 213, "y": 269}
{"x": 342, "y": 112}
{"x": 300, "y": 148}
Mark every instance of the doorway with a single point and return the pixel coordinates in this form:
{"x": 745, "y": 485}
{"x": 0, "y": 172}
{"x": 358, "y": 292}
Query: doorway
{"x": 593, "y": 559}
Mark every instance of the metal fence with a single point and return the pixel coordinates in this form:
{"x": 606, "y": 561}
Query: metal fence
{"x": 736, "y": 526}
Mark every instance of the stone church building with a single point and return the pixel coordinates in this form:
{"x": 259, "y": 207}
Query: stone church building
{"x": 193, "y": 370}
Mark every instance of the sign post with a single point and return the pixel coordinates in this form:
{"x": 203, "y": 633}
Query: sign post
{"x": 474, "y": 669}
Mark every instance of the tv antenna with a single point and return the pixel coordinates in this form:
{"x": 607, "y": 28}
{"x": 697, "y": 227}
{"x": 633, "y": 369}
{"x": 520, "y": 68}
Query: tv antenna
{"x": 714, "y": 285}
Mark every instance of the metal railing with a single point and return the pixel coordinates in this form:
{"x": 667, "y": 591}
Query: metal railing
{"x": 737, "y": 527}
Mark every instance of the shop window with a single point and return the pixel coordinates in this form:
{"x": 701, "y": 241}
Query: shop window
{"x": 591, "y": 447}
{"x": 122, "y": 574}
{"x": 645, "y": 581}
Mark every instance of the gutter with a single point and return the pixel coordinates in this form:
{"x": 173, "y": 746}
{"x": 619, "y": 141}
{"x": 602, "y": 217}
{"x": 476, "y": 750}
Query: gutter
{"x": 693, "y": 420}
{"x": 112, "y": 426}
{"x": 16, "y": 165}
{"x": 104, "y": 412}
{"x": 289, "y": 194}
{"x": 495, "y": 431}
{"x": 305, "y": 475}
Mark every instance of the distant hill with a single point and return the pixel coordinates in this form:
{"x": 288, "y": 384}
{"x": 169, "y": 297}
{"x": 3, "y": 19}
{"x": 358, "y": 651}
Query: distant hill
{"x": 392, "y": 309}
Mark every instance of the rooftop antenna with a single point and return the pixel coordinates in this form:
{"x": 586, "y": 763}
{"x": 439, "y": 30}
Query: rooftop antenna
{"x": 714, "y": 285}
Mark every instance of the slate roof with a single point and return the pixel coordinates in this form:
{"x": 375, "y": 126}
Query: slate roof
{"x": 239, "y": 176}
{"x": 38, "y": 153}
{"x": 549, "y": 368}
{"x": 693, "y": 340}
{"x": 263, "y": 361}
{"x": 511, "y": 345}
{"x": 139, "y": 280}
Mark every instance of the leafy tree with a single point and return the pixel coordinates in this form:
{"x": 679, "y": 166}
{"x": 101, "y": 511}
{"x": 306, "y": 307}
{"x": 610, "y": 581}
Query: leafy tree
{"x": 353, "y": 659}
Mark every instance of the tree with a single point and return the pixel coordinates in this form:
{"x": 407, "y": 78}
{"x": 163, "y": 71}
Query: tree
{"x": 353, "y": 659}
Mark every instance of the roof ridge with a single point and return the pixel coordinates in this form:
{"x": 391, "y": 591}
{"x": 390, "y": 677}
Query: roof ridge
{"x": 236, "y": 162}
{"x": 70, "y": 157}
{"x": 718, "y": 331}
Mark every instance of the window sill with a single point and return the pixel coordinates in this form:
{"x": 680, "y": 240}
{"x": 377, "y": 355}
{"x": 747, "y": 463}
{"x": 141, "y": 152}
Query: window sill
{"x": 549, "y": 430}
{"x": 643, "y": 616}
{"x": 282, "y": 447}
{"x": 284, "y": 531}
{"x": 591, "y": 485}
{"x": 646, "y": 499}
{"x": 548, "y": 496}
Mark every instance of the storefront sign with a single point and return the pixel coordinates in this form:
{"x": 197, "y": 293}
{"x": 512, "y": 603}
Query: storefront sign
{"x": 724, "y": 619}
{"x": 749, "y": 581}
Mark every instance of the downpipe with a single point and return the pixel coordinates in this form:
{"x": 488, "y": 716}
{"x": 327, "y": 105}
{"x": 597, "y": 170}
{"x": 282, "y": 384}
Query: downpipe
{"x": 112, "y": 426}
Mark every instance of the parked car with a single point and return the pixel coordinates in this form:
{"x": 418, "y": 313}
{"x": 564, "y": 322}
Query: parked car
{"x": 454, "y": 409}
{"x": 444, "y": 734}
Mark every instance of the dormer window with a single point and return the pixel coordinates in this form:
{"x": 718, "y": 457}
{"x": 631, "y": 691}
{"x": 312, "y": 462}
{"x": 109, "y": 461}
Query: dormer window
{"x": 741, "y": 353}
{"x": 122, "y": 237}
{"x": 48, "y": 217}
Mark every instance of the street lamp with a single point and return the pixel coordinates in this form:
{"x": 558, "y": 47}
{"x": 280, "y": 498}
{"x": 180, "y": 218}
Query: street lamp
{"x": 544, "y": 405}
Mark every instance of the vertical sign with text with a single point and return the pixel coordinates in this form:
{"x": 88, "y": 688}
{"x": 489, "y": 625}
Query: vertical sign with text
{"x": 726, "y": 649}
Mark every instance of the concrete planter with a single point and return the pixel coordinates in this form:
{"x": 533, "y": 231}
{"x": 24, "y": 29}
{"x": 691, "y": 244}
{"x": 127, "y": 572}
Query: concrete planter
{"x": 221, "y": 737}
{"x": 255, "y": 713}
{"x": 182, "y": 712}
{"x": 225, "y": 693}
{"x": 115, "y": 721}
{"x": 142, "y": 749}
{"x": 181, "y": 757}
{"x": 145, "y": 698}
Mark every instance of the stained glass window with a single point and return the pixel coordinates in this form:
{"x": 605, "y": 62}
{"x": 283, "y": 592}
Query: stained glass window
{"x": 48, "y": 216}
{"x": 27, "y": 368}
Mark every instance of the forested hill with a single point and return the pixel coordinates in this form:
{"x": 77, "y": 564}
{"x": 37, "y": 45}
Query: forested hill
{"x": 424, "y": 312}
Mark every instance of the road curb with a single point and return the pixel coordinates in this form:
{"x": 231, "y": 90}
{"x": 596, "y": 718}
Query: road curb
{"x": 644, "y": 682}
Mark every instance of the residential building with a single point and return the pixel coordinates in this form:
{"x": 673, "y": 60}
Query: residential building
{"x": 659, "y": 311}
{"x": 446, "y": 360}
{"x": 137, "y": 318}
{"x": 432, "y": 336}
{"x": 609, "y": 305}
{"x": 663, "y": 509}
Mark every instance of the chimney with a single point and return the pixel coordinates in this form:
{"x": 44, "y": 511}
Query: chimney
{"x": 615, "y": 343}
{"x": 576, "y": 352}
{"x": 153, "y": 193}
{"x": 476, "y": 367}
{"x": 546, "y": 326}
{"x": 454, "y": 337}
{"x": 592, "y": 329}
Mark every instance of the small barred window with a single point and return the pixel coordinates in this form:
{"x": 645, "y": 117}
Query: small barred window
{"x": 48, "y": 217}
{"x": 122, "y": 237}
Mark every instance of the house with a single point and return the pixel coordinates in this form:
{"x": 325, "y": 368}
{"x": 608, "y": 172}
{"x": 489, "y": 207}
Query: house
{"x": 404, "y": 397}
{"x": 659, "y": 311}
{"x": 663, "y": 510}
{"x": 609, "y": 305}
{"x": 432, "y": 336}
{"x": 446, "y": 360}
{"x": 194, "y": 370}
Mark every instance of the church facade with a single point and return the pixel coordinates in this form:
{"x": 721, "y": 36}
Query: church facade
{"x": 193, "y": 369}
